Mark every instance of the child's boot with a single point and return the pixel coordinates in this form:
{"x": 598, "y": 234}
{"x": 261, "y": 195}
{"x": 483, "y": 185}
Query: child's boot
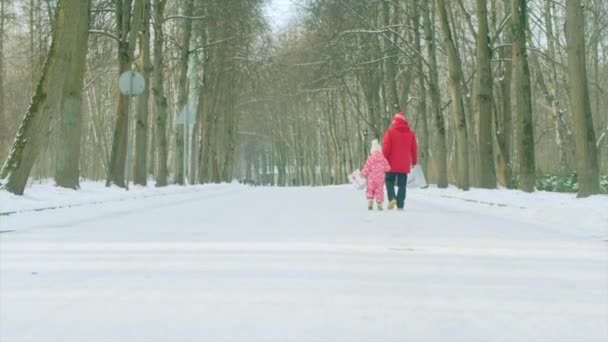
{"x": 379, "y": 206}
{"x": 370, "y": 204}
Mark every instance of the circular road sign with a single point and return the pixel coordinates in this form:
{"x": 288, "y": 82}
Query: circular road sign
{"x": 131, "y": 83}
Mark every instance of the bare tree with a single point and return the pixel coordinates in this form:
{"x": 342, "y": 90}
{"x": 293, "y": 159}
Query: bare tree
{"x": 439, "y": 144}
{"x": 586, "y": 150}
{"x": 484, "y": 102}
{"x": 391, "y": 55}
{"x": 128, "y": 22}
{"x": 422, "y": 128}
{"x": 158, "y": 10}
{"x": 182, "y": 99}
{"x": 552, "y": 87}
{"x": 455, "y": 81}
{"x": 523, "y": 97}
{"x": 143, "y": 101}
{"x": 71, "y": 23}
{"x": 3, "y": 120}
{"x": 67, "y": 149}
{"x": 503, "y": 116}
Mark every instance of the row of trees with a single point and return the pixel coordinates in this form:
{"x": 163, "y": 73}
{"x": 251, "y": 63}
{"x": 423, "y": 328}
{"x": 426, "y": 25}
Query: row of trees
{"x": 496, "y": 90}
{"x": 186, "y": 50}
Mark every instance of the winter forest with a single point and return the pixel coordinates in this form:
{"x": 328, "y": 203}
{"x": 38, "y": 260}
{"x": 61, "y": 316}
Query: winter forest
{"x": 240, "y": 133}
{"x": 499, "y": 92}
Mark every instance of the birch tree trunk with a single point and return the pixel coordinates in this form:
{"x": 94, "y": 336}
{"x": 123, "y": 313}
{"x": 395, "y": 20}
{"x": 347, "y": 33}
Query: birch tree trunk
{"x": 586, "y": 150}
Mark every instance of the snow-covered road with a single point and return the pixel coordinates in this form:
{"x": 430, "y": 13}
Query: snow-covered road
{"x": 234, "y": 263}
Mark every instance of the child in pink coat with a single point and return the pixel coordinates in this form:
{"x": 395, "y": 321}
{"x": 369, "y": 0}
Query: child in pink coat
{"x": 375, "y": 168}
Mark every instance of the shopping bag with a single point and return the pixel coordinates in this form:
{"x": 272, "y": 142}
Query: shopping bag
{"x": 357, "y": 180}
{"x": 416, "y": 178}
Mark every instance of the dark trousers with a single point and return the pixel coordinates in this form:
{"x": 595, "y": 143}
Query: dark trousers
{"x": 401, "y": 179}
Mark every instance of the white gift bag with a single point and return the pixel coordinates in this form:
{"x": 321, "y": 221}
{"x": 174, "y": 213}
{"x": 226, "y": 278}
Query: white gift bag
{"x": 357, "y": 179}
{"x": 416, "y": 178}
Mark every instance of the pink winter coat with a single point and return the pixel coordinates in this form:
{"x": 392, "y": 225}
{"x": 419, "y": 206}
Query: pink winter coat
{"x": 375, "y": 168}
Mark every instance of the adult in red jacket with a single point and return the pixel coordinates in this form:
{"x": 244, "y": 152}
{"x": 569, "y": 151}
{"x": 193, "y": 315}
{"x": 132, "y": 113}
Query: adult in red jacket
{"x": 401, "y": 151}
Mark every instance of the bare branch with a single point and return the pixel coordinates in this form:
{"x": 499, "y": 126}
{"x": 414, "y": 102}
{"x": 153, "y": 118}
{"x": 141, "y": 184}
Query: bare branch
{"x": 211, "y": 44}
{"x": 468, "y": 19}
{"x": 105, "y": 33}
{"x": 531, "y": 48}
{"x": 384, "y": 34}
{"x": 502, "y": 26}
{"x": 171, "y": 17}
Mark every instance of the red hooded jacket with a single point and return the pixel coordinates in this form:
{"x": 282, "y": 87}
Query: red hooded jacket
{"x": 400, "y": 147}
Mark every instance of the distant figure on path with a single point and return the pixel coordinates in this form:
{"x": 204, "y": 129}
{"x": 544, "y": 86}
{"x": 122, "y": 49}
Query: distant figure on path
{"x": 374, "y": 170}
{"x": 401, "y": 151}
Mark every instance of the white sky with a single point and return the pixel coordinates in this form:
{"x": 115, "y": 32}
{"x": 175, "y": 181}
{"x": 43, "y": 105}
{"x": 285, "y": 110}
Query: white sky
{"x": 279, "y": 12}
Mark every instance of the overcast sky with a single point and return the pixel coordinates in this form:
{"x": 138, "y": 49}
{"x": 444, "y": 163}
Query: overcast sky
{"x": 279, "y": 12}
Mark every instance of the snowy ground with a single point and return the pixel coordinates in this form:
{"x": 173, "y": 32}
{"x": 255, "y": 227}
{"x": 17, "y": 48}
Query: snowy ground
{"x": 235, "y": 263}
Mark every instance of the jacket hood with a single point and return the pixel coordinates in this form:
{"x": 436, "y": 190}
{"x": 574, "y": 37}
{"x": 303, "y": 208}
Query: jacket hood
{"x": 400, "y": 124}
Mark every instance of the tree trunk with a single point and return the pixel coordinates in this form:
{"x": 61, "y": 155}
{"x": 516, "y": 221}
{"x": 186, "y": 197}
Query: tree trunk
{"x": 391, "y": 55}
{"x": 561, "y": 130}
{"x": 586, "y": 150}
{"x": 484, "y": 87}
{"x": 67, "y": 167}
{"x": 455, "y": 78}
{"x": 523, "y": 97}
{"x": 3, "y": 128}
{"x": 32, "y": 44}
{"x": 229, "y": 140}
{"x": 439, "y": 146}
{"x": 118, "y": 155}
{"x": 143, "y": 102}
{"x": 422, "y": 122}
{"x": 601, "y": 112}
{"x": 503, "y": 122}
{"x": 370, "y": 84}
{"x": 102, "y": 154}
{"x": 33, "y": 134}
{"x": 230, "y": 123}
{"x": 159, "y": 95}
{"x": 127, "y": 22}
{"x": 182, "y": 97}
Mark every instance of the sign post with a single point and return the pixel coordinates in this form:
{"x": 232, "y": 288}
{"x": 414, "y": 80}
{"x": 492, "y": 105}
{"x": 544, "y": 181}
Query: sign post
{"x": 130, "y": 83}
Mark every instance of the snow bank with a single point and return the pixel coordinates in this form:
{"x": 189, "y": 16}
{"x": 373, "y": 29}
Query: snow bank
{"x": 45, "y": 195}
{"x": 565, "y": 212}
